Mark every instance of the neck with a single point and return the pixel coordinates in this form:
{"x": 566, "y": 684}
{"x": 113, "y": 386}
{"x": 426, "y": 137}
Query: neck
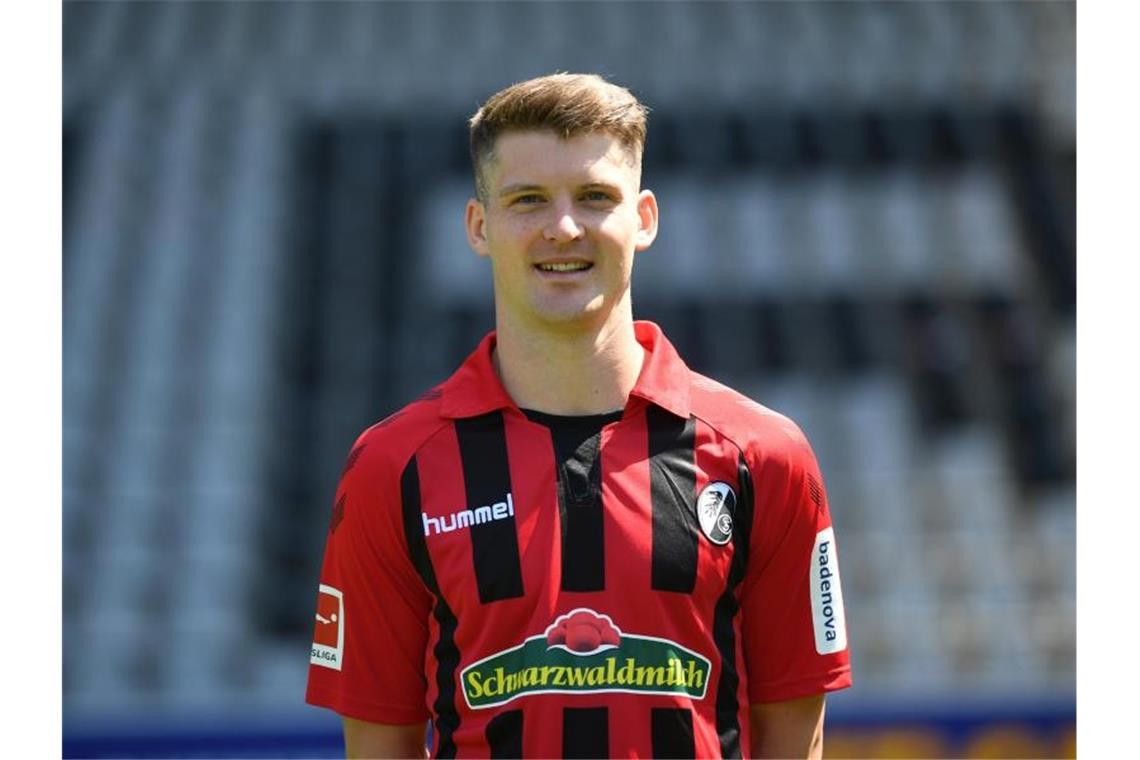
{"x": 568, "y": 371}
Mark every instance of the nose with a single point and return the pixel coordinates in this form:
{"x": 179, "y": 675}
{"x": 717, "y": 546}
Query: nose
{"x": 563, "y": 227}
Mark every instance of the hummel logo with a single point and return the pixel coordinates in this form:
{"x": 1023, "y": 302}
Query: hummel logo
{"x": 467, "y": 517}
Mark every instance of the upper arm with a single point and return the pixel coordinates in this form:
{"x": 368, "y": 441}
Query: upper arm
{"x": 792, "y": 616}
{"x": 373, "y": 609}
{"x": 364, "y": 739}
{"x": 792, "y": 728}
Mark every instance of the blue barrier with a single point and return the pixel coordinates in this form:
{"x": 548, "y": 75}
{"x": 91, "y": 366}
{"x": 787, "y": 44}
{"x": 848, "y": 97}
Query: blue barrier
{"x": 868, "y": 730}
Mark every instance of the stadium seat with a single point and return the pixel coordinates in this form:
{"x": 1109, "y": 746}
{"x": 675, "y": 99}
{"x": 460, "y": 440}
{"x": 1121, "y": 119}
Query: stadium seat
{"x": 244, "y": 245}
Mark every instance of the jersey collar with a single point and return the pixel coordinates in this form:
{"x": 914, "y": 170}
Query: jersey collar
{"x": 475, "y": 388}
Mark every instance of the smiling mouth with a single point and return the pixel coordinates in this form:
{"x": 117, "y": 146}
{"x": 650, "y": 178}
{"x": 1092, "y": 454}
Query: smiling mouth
{"x": 574, "y": 266}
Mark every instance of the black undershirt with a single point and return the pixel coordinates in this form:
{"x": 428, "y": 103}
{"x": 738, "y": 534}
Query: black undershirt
{"x": 576, "y": 442}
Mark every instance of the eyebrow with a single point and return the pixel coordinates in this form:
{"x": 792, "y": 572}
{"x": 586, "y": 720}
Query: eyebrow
{"x": 529, "y": 188}
{"x": 614, "y": 188}
{"x": 518, "y": 188}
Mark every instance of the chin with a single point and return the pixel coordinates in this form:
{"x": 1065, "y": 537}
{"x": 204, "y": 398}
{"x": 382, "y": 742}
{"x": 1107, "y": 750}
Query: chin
{"x": 567, "y": 315}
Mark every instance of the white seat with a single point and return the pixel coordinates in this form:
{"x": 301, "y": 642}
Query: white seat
{"x": 971, "y": 468}
{"x": 902, "y": 567}
{"x": 1055, "y": 532}
{"x": 920, "y": 655}
{"x": 844, "y": 500}
{"x": 123, "y": 578}
{"x": 447, "y": 268}
{"x": 679, "y": 261}
{"x": 280, "y": 673}
{"x": 798, "y": 237}
{"x": 875, "y": 413}
{"x": 221, "y": 518}
{"x": 1053, "y": 623}
{"x": 1014, "y": 659}
{"x": 904, "y": 219}
{"x": 103, "y": 654}
{"x": 989, "y": 249}
{"x": 835, "y": 248}
{"x": 761, "y": 253}
{"x": 202, "y": 654}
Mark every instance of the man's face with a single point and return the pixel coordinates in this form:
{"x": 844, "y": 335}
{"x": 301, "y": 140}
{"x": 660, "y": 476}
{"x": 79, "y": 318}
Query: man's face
{"x": 561, "y": 222}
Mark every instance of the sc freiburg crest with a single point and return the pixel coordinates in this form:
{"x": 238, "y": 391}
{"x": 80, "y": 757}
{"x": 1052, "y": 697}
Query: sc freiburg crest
{"x": 715, "y": 507}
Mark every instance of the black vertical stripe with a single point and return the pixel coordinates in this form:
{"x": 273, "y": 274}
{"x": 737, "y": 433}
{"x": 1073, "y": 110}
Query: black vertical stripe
{"x": 487, "y": 475}
{"x": 504, "y": 734}
{"x": 585, "y": 732}
{"x": 446, "y": 651}
{"x": 413, "y": 525}
{"x": 582, "y": 517}
{"x": 672, "y": 730}
{"x": 673, "y": 485}
{"x": 727, "y": 607}
{"x": 581, "y": 514}
{"x": 583, "y": 545}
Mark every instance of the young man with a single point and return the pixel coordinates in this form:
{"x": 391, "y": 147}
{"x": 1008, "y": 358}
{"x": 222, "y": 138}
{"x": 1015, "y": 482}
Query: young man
{"x": 575, "y": 546}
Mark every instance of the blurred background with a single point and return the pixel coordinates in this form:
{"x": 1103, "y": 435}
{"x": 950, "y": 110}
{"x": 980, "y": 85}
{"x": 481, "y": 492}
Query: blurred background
{"x": 868, "y": 223}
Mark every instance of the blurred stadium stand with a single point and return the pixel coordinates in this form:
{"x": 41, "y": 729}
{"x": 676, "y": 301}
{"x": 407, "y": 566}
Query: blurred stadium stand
{"x": 868, "y": 222}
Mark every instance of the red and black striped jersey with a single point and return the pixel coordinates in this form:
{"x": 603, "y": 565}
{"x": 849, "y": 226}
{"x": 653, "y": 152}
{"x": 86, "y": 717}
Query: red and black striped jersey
{"x": 461, "y": 584}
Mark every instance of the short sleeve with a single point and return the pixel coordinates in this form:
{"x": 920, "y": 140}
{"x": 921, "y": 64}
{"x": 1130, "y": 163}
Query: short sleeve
{"x": 371, "y": 628}
{"x": 794, "y": 627}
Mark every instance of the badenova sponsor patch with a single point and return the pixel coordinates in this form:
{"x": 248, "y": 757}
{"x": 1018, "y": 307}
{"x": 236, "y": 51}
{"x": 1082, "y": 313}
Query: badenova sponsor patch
{"x": 582, "y": 652}
{"x": 827, "y": 596}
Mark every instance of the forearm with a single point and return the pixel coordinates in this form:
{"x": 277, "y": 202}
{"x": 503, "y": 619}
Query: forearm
{"x": 373, "y": 740}
{"x": 770, "y": 746}
{"x": 792, "y": 729}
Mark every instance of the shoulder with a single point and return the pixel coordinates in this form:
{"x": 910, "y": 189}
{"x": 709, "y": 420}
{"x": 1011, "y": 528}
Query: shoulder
{"x": 369, "y": 494}
{"x": 765, "y": 436}
{"x": 385, "y": 447}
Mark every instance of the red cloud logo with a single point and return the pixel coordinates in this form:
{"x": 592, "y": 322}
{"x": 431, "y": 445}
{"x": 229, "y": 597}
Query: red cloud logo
{"x": 583, "y": 631}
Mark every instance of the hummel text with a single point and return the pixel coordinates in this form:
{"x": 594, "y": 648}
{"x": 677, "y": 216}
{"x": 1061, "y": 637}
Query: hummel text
{"x": 465, "y": 518}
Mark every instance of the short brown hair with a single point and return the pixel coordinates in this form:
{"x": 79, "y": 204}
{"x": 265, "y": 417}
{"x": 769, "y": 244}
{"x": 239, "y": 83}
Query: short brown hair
{"x": 568, "y": 104}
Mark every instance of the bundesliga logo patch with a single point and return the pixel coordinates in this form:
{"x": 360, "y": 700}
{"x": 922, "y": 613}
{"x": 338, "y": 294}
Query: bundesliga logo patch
{"x": 328, "y": 636}
{"x": 715, "y": 507}
{"x": 580, "y": 652}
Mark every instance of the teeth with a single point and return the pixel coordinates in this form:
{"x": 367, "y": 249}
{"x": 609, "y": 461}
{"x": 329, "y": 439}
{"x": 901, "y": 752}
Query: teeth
{"x": 571, "y": 267}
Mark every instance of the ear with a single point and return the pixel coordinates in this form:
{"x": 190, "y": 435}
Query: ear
{"x": 476, "y": 227}
{"x": 646, "y": 220}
